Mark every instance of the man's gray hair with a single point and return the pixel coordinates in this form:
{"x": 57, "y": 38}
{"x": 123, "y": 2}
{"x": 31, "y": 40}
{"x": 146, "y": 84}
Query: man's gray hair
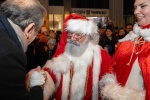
{"x": 24, "y": 12}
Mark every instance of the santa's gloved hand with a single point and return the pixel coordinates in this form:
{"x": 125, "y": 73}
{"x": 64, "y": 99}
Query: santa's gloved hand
{"x": 37, "y": 79}
{"x": 107, "y": 79}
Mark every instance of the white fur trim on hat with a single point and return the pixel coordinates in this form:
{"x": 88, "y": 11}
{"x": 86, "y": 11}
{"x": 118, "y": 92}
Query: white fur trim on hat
{"x": 82, "y": 26}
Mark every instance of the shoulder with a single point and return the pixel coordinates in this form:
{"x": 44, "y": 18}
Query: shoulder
{"x": 6, "y": 43}
{"x": 126, "y": 44}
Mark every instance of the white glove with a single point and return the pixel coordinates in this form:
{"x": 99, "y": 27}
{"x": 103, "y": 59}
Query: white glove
{"x": 37, "y": 79}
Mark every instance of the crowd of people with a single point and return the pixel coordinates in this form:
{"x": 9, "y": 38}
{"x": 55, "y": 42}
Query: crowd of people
{"x": 83, "y": 62}
{"x": 111, "y": 34}
{"x": 42, "y": 48}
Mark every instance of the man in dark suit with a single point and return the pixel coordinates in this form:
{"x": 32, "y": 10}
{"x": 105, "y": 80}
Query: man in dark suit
{"x": 19, "y": 23}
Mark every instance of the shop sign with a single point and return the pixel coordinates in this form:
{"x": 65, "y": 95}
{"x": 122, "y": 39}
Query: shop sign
{"x": 91, "y": 12}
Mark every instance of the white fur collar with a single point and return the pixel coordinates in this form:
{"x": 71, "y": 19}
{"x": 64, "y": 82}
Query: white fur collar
{"x": 137, "y": 31}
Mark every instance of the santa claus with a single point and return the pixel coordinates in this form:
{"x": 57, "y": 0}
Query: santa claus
{"x": 79, "y": 62}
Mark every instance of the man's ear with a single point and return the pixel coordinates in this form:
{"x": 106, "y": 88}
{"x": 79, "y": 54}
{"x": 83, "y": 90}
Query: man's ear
{"x": 28, "y": 30}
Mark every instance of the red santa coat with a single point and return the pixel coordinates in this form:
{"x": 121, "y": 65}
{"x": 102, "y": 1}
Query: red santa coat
{"x": 121, "y": 59}
{"x": 125, "y": 56}
{"x": 88, "y": 70}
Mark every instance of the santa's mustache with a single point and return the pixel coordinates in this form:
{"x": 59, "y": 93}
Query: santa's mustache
{"x": 73, "y": 42}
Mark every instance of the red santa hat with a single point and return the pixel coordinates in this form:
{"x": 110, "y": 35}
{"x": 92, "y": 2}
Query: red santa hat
{"x": 75, "y": 23}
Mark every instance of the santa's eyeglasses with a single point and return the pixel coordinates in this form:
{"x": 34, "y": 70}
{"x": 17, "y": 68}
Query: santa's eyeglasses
{"x": 75, "y": 36}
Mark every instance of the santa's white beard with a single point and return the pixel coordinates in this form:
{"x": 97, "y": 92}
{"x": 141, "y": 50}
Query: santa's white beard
{"x": 76, "y": 49}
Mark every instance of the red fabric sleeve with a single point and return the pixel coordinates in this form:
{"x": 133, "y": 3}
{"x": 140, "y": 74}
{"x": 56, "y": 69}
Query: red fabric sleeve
{"x": 106, "y": 60}
{"x": 53, "y": 76}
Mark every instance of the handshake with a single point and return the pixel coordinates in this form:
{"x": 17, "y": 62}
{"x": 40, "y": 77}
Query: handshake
{"x": 35, "y": 77}
{"x": 39, "y": 77}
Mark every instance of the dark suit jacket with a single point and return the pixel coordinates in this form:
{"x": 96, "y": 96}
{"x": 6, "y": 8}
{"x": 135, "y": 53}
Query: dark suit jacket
{"x": 13, "y": 66}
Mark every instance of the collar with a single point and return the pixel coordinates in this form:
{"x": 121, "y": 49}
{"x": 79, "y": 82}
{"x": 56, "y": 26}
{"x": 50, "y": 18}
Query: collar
{"x": 145, "y": 27}
{"x": 5, "y": 25}
{"x": 20, "y": 35}
{"x": 138, "y": 31}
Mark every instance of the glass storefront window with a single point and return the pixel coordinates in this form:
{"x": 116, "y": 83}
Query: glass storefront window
{"x": 129, "y": 19}
{"x": 55, "y": 22}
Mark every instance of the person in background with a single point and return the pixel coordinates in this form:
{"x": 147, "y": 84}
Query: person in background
{"x": 18, "y": 28}
{"x": 110, "y": 25}
{"x": 51, "y": 32}
{"x": 129, "y": 77}
{"x": 44, "y": 31}
{"x": 102, "y": 31}
{"x": 101, "y": 34}
{"x": 51, "y": 48}
{"x": 58, "y": 36}
{"x": 52, "y": 35}
{"x": 108, "y": 41}
{"x": 121, "y": 34}
{"x": 41, "y": 51}
{"x": 128, "y": 27}
{"x": 116, "y": 31}
{"x": 78, "y": 63}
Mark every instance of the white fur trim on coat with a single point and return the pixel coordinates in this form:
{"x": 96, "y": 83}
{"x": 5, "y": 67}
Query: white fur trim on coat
{"x": 96, "y": 71}
{"x": 81, "y": 65}
{"x": 61, "y": 66}
{"x": 107, "y": 79}
{"x": 82, "y": 26}
{"x": 137, "y": 31}
{"x": 111, "y": 90}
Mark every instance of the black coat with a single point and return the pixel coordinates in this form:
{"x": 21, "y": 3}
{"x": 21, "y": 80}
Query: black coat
{"x": 41, "y": 53}
{"x": 110, "y": 44}
{"x": 13, "y": 66}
